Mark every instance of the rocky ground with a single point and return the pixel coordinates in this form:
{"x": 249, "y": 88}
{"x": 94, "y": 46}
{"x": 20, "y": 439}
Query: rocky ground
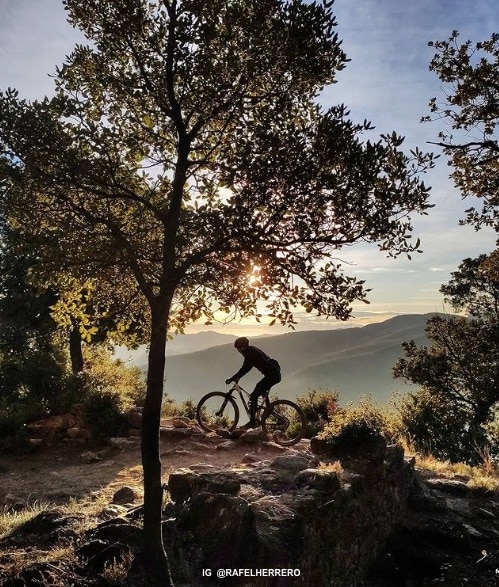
{"x": 450, "y": 535}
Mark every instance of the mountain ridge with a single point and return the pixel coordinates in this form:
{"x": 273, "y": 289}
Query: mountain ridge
{"x": 355, "y": 361}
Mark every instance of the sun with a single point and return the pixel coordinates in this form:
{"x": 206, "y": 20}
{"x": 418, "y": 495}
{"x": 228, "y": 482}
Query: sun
{"x": 254, "y": 276}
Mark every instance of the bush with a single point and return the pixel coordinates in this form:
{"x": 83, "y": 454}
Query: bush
{"x": 34, "y": 380}
{"x": 107, "y": 375}
{"x": 318, "y": 407}
{"x": 104, "y": 415}
{"x": 363, "y": 419}
{"x": 437, "y": 426}
{"x": 13, "y": 434}
{"x": 172, "y": 409}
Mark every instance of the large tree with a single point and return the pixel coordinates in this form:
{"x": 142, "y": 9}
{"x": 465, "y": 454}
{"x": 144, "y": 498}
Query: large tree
{"x": 185, "y": 154}
{"x": 469, "y": 73}
{"x": 459, "y": 373}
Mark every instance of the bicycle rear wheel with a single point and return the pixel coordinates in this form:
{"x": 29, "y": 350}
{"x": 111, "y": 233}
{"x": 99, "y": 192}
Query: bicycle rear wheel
{"x": 285, "y": 422}
{"x": 217, "y": 411}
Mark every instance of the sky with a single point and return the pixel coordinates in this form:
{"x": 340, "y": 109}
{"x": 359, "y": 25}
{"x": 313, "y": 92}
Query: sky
{"x": 387, "y": 81}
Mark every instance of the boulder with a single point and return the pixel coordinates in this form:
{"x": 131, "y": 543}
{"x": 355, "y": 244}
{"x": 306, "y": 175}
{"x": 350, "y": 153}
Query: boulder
{"x": 293, "y": 462}
{"x": 124, "y": 495}
{"x": 185, "y": 483}
{"x": 223, "y": 525}
{"x": 78, "y": 433}
{"x": 318, "y": 479}
{"x": 181, "y": 422}
{"x": 134, "y": 417}
{"x": 252, "y": 436}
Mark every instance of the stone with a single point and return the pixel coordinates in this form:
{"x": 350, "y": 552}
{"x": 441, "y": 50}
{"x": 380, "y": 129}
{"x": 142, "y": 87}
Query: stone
{"x": 250, "y": 459}
{"x": 293, "y": 462}
{"x": 36, "y": 442}
{"x": 252, "y": 436}
{"x": 50, "y": 526}
{"x": 174, "y": 434}
{"x": 224, "y": 526}
{"x": 123, "y": 443}
{"x": 204, "y": 468}
{"x": 97, "y": 554}
{"x": 113, "y": 511}
{"x": 452, "y": 486}
{"x": 318, "y": 479}
{"x": 52, "y": 423}
{"x": 472, "y": 531}
{"x": 124, "y": 495}
{"x": 227, "y": 445}
{"x": 185, "y": 483}
{"x": 90, "y": 457}
{"x": 181, "y": 423}
{"x": 273, "y": 446}
{"x": 134, "y": 417}
{"x": 460, "y": 506}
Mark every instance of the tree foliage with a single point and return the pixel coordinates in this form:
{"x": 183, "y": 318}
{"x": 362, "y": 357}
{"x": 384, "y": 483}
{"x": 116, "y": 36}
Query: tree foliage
{"x": 33, "y": 365}
{"x": 452, "y": 413}
{"x": 459, "y": 373}
{"x": 470, "y": 75}
{"x": 184, "y": 158}
{"x": 434, "y": 425}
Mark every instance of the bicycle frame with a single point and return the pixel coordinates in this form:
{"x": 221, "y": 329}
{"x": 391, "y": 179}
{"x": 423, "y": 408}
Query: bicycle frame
{"x": 263, "y": 402}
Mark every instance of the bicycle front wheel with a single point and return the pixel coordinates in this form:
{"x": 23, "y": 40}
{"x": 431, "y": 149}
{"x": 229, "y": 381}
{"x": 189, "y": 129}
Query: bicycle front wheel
{"x": 217, "y": 411}
{"x": 285, "y": 422}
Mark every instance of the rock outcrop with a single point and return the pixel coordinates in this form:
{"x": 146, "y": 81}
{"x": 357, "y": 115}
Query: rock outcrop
{"x": 327, "y": 524}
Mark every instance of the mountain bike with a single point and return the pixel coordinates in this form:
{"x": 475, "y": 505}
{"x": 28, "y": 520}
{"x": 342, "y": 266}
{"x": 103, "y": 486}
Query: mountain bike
{"x": 281, "y": 419}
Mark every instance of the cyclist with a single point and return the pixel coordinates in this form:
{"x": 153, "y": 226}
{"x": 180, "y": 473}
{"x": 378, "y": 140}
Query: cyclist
{"x": 270, "y": 369}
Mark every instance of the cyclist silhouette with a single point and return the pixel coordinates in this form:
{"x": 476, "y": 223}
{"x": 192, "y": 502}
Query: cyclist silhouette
{"x": 270, "y": 369}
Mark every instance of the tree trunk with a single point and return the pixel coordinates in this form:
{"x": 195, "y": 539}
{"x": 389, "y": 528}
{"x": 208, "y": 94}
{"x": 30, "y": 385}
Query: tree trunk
{"x": 156, "y": 561}
{"x": 75, "y": 349}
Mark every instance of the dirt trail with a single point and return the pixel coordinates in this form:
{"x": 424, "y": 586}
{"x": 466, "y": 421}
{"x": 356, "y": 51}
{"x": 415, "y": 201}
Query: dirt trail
{"x": 59, "y": 473}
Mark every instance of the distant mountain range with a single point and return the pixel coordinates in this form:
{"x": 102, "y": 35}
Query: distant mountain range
{"x": 355, "y": 361}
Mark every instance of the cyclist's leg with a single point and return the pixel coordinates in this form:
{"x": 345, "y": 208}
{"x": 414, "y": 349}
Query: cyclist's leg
{"x": 262, "y": 388}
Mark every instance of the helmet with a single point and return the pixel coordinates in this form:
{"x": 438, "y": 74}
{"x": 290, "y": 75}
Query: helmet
{"x": 241, "y": 342}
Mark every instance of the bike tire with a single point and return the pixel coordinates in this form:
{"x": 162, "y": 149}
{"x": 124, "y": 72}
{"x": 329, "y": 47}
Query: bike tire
{"x": 285, "y": 422}
{"x": 217, "y": 411}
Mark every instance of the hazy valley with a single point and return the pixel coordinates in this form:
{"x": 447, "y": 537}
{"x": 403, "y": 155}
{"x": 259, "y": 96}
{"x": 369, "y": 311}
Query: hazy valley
{"x": 355, "y": 361}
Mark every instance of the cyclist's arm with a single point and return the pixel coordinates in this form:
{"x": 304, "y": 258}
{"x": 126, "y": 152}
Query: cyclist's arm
{"x": 247, "y": 366}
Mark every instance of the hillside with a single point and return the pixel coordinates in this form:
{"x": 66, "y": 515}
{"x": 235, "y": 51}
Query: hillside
{"x": 355, "y": 361}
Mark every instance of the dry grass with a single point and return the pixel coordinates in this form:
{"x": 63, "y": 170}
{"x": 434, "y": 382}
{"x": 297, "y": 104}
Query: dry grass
{"x": 117, "y": 573}
{"x": 485, "y": 476}
{"x": 10, "y": 520}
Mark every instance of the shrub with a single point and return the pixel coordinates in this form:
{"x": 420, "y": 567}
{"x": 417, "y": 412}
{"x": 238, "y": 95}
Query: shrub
{"x": 363, "y": 419}
{"x": 13, "y": 434}
{"x": 107, "y": 375}
{"x": 34, "y": 380}
{"x": 318, "y": 406}
{"x": 172, "y": 409}
{"x": 108, "y": 387}
{"x": 435, "y": 425}
{"x": 104, "y": 415}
